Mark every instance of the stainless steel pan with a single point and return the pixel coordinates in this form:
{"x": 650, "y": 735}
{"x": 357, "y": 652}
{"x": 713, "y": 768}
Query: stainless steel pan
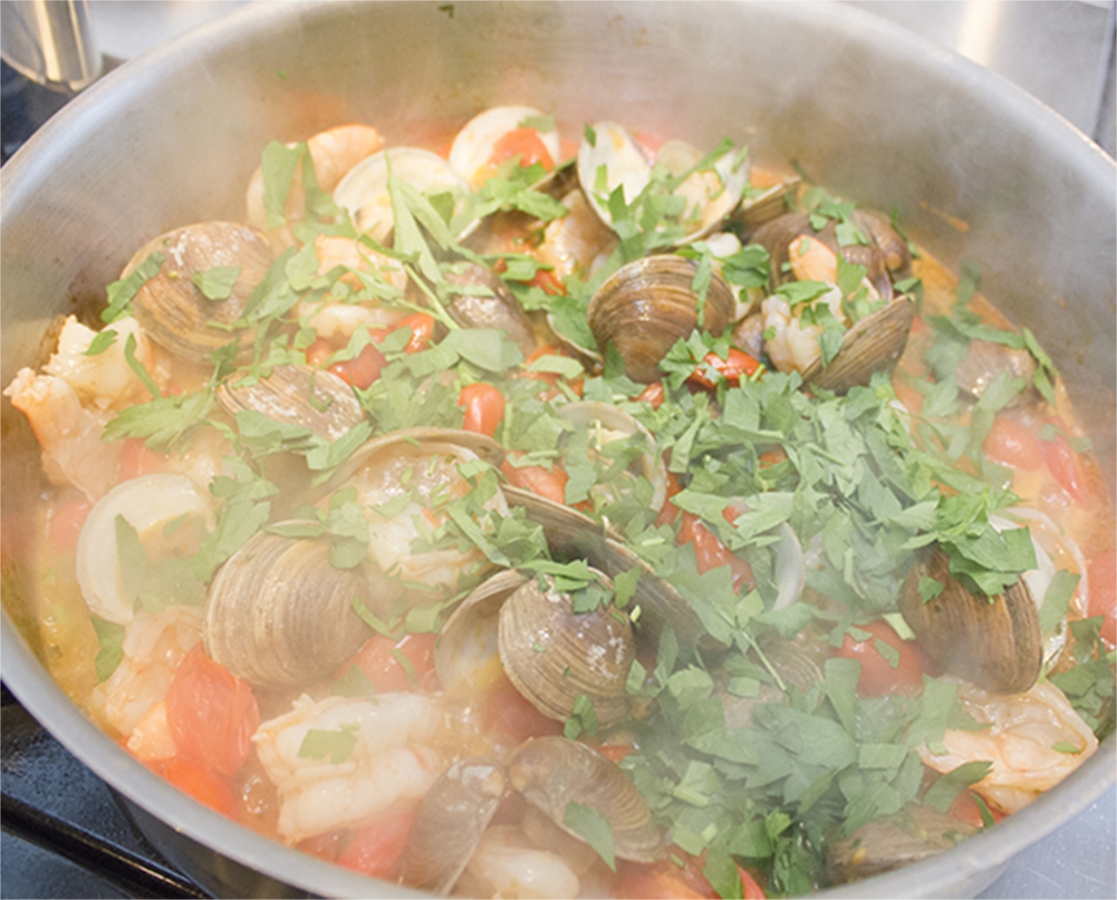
{"x": 976, "y": 169}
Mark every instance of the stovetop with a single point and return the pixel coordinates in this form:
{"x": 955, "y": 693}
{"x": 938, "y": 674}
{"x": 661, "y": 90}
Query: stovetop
{"x": 64, "y": 835}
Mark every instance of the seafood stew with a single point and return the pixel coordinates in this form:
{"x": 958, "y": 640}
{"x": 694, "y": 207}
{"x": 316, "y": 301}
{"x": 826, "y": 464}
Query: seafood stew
{"x": 642, "y": 536}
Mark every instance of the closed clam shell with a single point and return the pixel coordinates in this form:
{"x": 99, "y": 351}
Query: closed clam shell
{"x": 995, "y": 642}
{"x": 484, "y": 301}
{"x": 278, "y": 613}
{"x": 553, "y": 655}
{"x": 647, "y": 305}
{"x": 297, "y": 395}
{"x": 873, "y": 344}
{"x": 452, "y": 817}
{"x": 552, "y": 772}
{"x": 174, "y": 312}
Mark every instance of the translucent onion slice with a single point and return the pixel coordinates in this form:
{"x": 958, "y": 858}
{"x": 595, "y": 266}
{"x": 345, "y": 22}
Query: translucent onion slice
{"x": 147, "y": 502}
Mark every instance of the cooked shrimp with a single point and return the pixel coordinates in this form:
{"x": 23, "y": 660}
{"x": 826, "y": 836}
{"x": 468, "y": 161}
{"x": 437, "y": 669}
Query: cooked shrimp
{"x": 335, "y": 321}
{"x": 427, "y": 476}
{"x": 154, "y": 645}
{"x": 505, "y": 864}
{"x": 578, "y": 242}
{"x": 792, "y": 345}
{"x": 1034, "y": 741}
{"x": 388, "y": 761}
{"x": 68, "y": 433}
{"x": 333, "y": 152}
{"x": 104, "y": 380}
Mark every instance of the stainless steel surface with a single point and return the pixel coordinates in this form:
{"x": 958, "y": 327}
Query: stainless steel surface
{"x": 50, "y": 41}
{"x": 878, "y": 115}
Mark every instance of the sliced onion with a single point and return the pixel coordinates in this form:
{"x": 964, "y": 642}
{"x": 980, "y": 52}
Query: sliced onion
{"x": 146, "y": 502}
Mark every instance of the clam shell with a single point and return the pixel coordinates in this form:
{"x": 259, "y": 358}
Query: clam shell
{"x": 468, "y": 641}
{"x": 573, "y": 535}
{"x": 278, "y": 613}
{"x": 615, "y": 154}
{"x": 475, "y": 144}
{"x": 483, "y": 446}
{"x": 553, "y": 654}
{"x": 486, "y": 302}
{"x": 993, "y": 642}
{"x": 452, "y": 817}
{"x": 364, "y": 189}
{"x": 174, "y": 312}
{"x": 646, "y": 306}
{"x": 297, "y": 395}
{"x": 872, "y": 345}
{"x": 622, "y": 424}
{"x": 766, "y": 206}
{"x": 552, "y": 772}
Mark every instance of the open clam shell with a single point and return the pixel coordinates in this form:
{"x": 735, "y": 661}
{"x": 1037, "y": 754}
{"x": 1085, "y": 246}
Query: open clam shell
{"x": 554, "y": 655}
{"x": 610, "y": 423}
{"x": 174, "y": 311}
{"x": 297, "y": 395}
{"x": 467, "y": 644}
{"x": 613, "y": 159}
{"x": 994, "y": 642}
{"x": 452, "y": 817}
{"x": 647, "y": 305}
{"x": 364, "y": 191}
{"x": 278, "y": 613}
{"x": 552, "y": 772}
{"x": 573, "y": 535}
{"x": 475, "y": 144}
{"x": 873, "y": 344}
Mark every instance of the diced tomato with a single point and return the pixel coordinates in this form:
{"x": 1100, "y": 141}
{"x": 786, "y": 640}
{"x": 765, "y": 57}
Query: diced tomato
{"x": 752, "y": 888}
{"x": 666, "y": 879}
{"x": 379, "y": 662}
{"x": 66, "y": 522}
{"x": 1012, "y": 444}
{"x": 772, "y": 456}
{"x": 965, "y": 809}
{"x": 201, "y": 783}
{"x": 736, "y": 364}
{"x": 212, "y": 714}
{"x": 649, "y": 144}
{"x": 484, "y": 407}
{"x": 660, "y": 881}
{"x": 422, "y": 331}
{"x": 137, "y": 460}
{"x": 525, "y": 144}
{"x": 1062, "y": 463}
{"x": 549, "y": 282}
{"x": 652, "y": 395}
{"x": 318, "y": 352}
{"x": 879, "y": 677}
{"x": 710, "y": 552}
{"x": 509, "y": 716}
{"x": 615, "y": 752}
{"x": 1102, "y": 571}
{"x": 363, "y": 369}
{"x": 548, "y": 484}
{"x": 375, "y": 849}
